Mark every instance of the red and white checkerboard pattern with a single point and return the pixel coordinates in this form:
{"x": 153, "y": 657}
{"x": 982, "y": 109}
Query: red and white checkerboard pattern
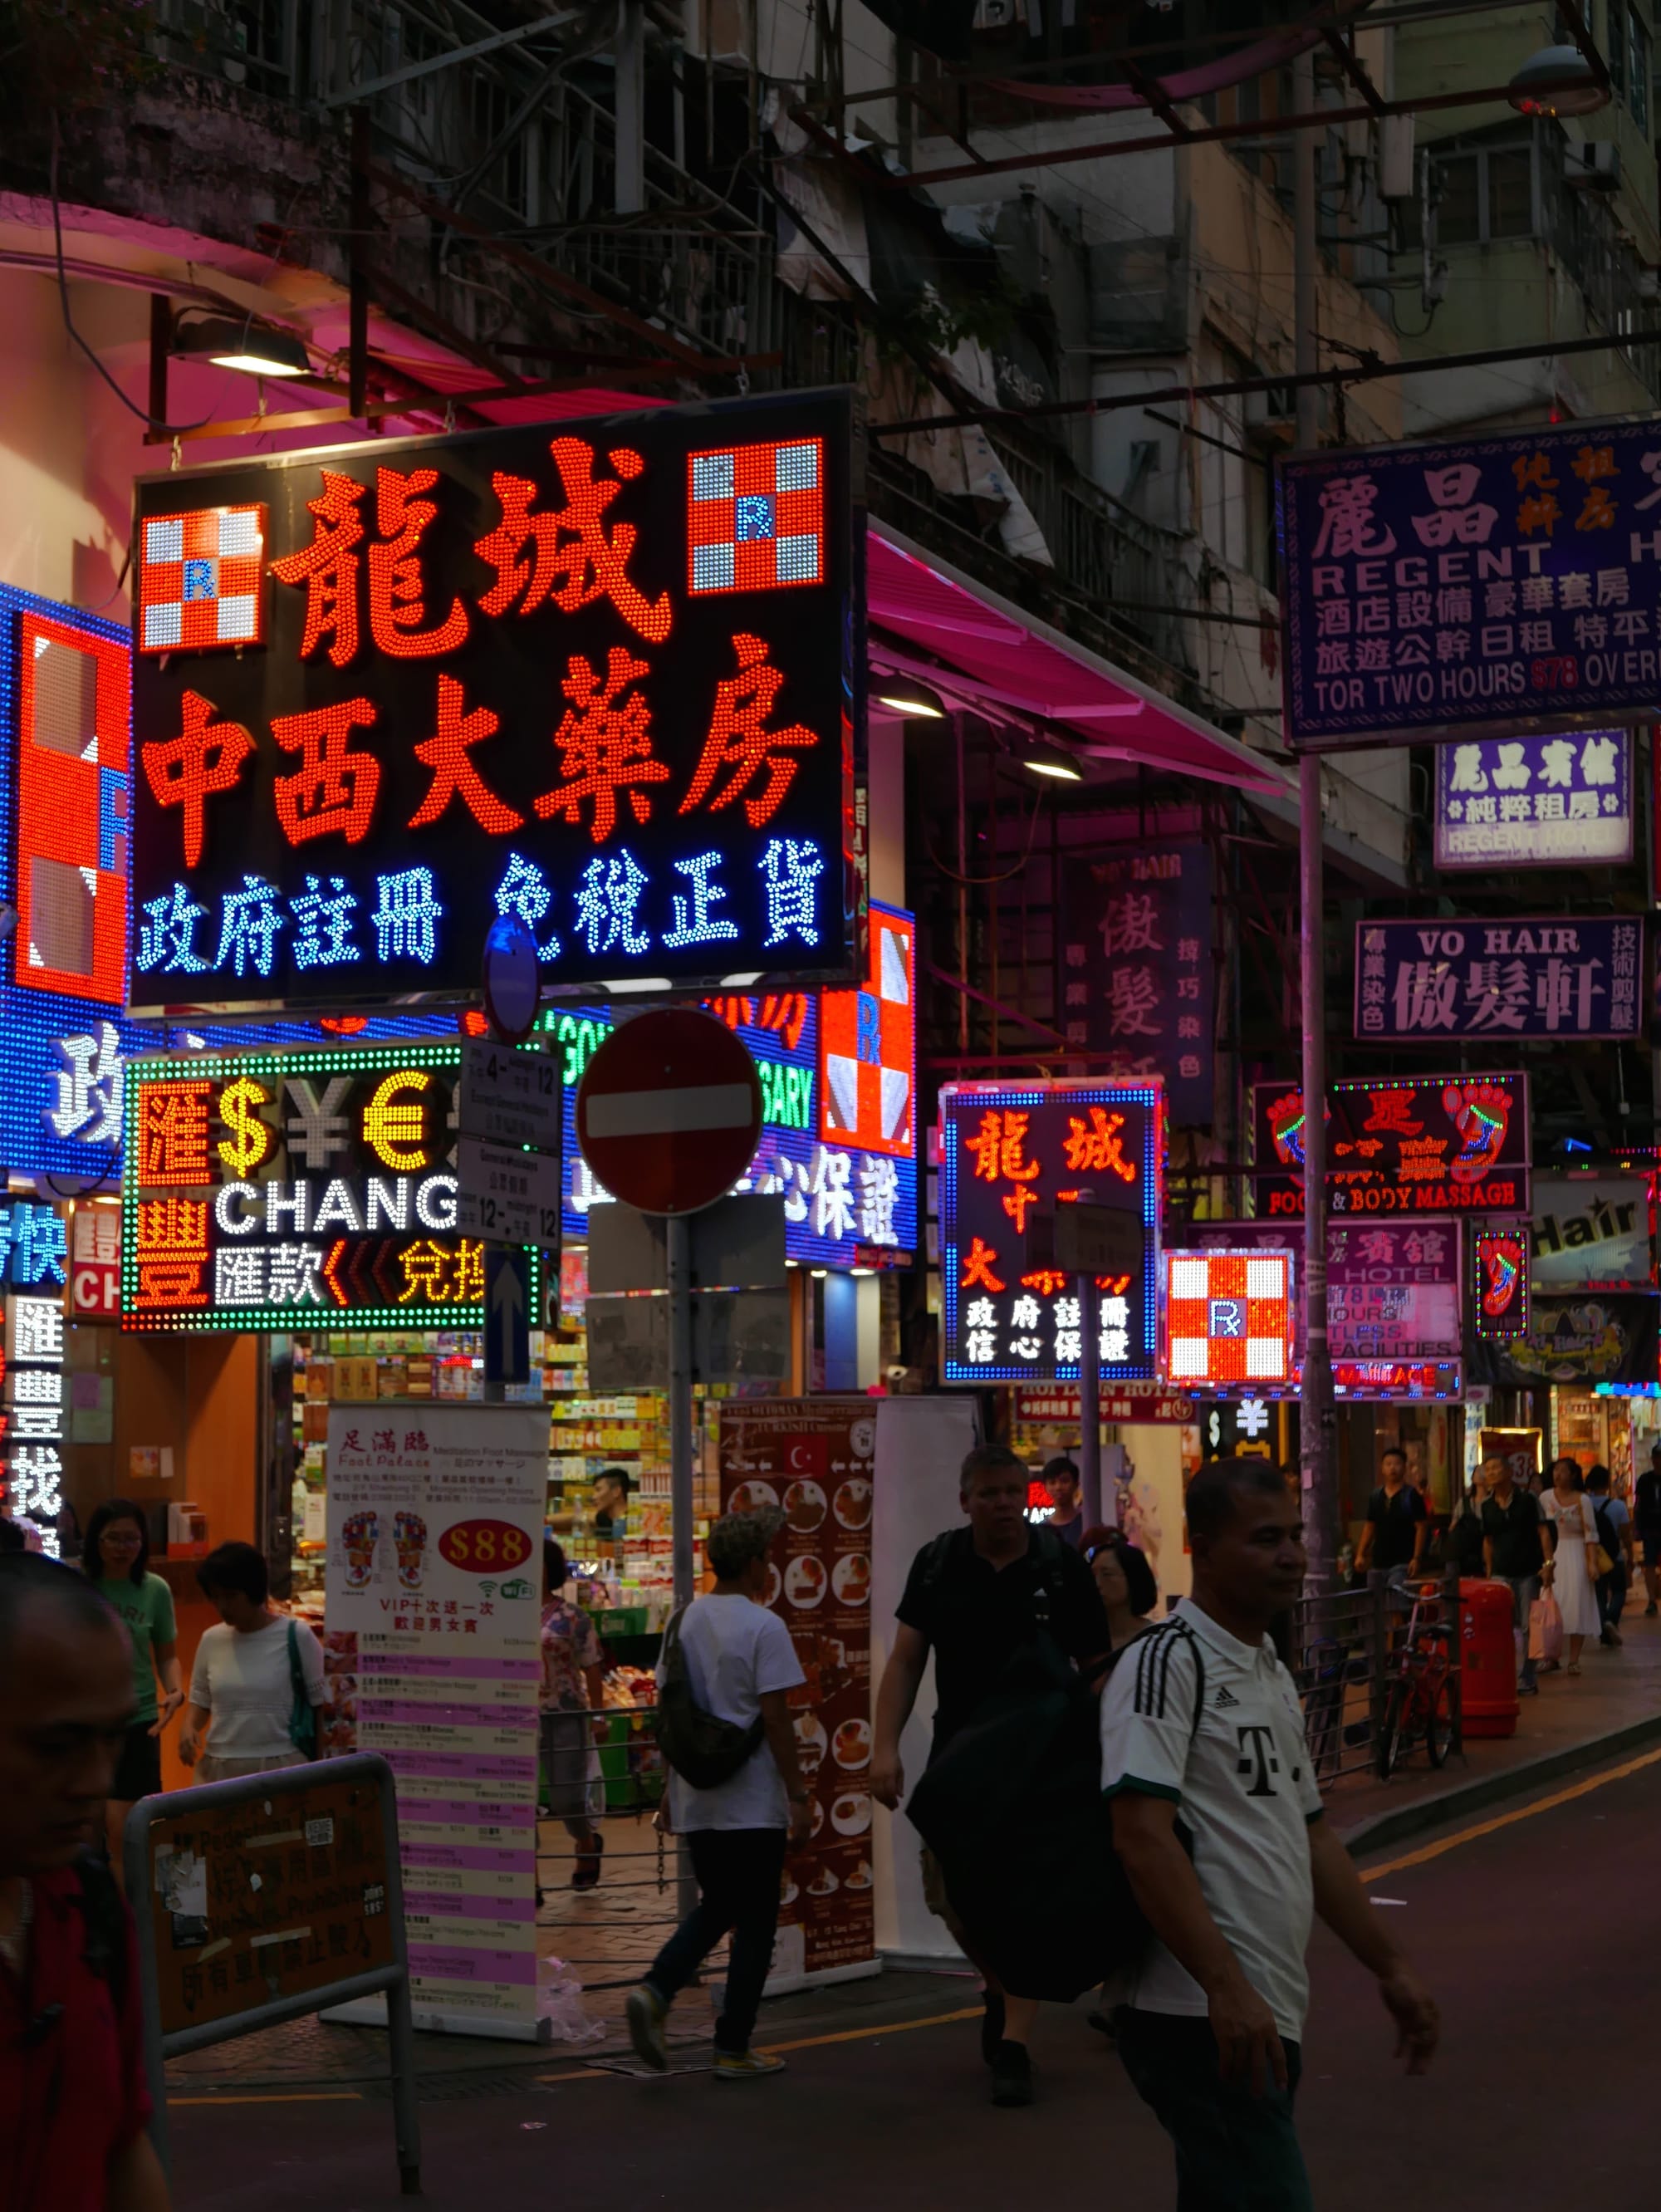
{"x": 199, "y": 579}
{"x": 868, "y": 1049}
{"x": 756, "y": 517}
{"x": 1200, "y": 1287}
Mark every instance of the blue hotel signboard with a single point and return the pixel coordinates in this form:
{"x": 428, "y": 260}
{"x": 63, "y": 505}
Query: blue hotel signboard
{"x": 1539, "y": 802}
{"x": 1484, "y": 583}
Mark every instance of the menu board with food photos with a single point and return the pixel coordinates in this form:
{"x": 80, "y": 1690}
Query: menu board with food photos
{"x": 814, "y": 1457}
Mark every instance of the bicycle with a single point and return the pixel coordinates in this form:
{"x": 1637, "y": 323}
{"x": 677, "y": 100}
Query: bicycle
{"x": 1419, "y": 1700}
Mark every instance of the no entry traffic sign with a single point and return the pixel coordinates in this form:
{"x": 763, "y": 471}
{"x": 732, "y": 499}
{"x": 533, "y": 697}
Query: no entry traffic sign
{"x": 668, "y": 1114}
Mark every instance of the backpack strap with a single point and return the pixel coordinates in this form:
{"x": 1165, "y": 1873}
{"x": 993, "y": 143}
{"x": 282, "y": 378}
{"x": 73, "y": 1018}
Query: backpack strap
{"x": 935, "y": 1554}
{"x": 104, "y": 1912}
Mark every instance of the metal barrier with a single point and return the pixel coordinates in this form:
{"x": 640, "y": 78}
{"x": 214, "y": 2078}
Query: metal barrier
{"x": 1345, "y": 1647}
{"x": 264, "y": 1899}
{"x": 609, "y": 1934}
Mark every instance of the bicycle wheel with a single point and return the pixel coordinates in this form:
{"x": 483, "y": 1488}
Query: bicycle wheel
{"x": 1392, "y": 1734}
{"x": 1438, "y": 1726}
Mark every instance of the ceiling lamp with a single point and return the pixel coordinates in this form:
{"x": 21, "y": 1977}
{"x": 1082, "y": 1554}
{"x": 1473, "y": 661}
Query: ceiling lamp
{"x": 254, "y": 347}
{"x": 1572, "y": 88}
{"x": 1050, "y": 760}
{"x": 905, "y": 697}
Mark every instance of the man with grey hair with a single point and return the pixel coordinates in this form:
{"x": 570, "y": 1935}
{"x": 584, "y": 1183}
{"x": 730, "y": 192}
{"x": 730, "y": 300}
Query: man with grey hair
{"x": 740, "y": 1666}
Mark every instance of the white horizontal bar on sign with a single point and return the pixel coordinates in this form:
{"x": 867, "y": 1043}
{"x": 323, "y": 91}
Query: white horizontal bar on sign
{"x": 669, "y": 1112}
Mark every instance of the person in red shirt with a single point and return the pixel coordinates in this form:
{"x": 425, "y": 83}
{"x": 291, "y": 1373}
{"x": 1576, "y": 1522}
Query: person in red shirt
{"x": 73, "y": 2103}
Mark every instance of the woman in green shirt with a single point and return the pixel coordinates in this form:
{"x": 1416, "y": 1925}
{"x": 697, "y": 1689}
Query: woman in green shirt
{"x": 116, "y": 1560}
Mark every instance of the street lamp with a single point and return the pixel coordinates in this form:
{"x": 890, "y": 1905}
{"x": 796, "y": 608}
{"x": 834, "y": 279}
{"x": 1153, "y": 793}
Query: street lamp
{"x": 1051, "y": 761}
{"x": 254, "y": 347}
{"x": 1571, "y": 86}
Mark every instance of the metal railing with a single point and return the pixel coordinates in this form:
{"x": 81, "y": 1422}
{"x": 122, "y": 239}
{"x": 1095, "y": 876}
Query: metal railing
{"x": 1346, "y": 1656}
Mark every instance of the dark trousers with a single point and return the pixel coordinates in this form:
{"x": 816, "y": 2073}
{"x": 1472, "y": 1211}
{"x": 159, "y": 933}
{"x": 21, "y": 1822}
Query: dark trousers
{"x": 739, "y": 1871}
{"x": 1612, "y": 1595}
{"x": 1235, "y": 2152}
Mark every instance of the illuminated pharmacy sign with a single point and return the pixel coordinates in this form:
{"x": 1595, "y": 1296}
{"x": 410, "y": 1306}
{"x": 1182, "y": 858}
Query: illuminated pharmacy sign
{"x": 607, "y": 679}
{"x": 1010, "y": 1156}
{"x": 841, "y": 1189}
{"x": 309, "y": 1189}
{"x": 1229, "y": 1319}
{"x": 65, "y": 796}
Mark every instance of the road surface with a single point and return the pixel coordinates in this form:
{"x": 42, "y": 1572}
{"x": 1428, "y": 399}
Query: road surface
{"x": 1539, "y": 1926}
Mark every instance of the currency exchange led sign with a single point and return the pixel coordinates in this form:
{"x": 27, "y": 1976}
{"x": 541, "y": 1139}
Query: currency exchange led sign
{"x": 606, "y": 682}
{"x": 1010, "y": 1156}
{"x": 307, "y": 1188}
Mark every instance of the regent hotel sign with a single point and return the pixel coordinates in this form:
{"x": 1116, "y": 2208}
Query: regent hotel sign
{"x": 604, "y": 677}
{"x": 296, "y": 1189}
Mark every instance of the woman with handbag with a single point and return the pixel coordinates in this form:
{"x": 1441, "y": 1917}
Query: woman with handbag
{"x": 258, "y": 1681}
{"x": 1573, "y": 1553}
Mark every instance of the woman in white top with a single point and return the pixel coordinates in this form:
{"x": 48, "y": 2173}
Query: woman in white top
{"x": 1570, "y": 1571}
{"x": 243, "y": 1685}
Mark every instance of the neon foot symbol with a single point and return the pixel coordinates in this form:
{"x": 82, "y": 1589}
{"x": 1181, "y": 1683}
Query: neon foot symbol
{"x": 1286, "y": 1127}
{"x": 1481, "y": 1112}
{"x": 1502, "y": 1271}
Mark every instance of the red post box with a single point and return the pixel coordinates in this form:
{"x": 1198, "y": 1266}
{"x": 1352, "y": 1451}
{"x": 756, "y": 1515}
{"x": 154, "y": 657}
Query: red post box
{"x": 1488, "y": 1659}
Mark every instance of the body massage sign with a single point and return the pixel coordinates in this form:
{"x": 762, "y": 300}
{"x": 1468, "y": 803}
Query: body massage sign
{"x": 813, "y": 1458}
{"x": 434, "y": 1588}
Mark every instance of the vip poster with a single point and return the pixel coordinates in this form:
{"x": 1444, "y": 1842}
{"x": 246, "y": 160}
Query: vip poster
{"x": 434, "y": 1606}
{"x": 813, "y": 1458}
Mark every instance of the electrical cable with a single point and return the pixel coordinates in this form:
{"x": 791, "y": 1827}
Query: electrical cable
{"x": 165, "y": 430}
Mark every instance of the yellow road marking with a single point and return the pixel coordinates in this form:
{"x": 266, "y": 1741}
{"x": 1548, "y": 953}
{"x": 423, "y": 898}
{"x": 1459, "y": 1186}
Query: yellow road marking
{"x": 866, "y": 2034}
{"x": 286, "y": 2096}
{"x": 1510, "y": 1819}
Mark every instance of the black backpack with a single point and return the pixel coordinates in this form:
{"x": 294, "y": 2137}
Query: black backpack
{"x": 703, "y": 1750}
{"x": 1012, "y": 1808}
{"x": 104, "y": 1914}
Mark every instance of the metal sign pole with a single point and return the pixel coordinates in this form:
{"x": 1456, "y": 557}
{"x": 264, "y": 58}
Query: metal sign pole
{"x": 1090, "y": 1401}
{"x": 678, "y": 1269}
{"x": 1320, "y": 1500}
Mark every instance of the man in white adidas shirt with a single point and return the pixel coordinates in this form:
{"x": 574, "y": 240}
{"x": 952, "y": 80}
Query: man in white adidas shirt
{"x": 1218, "y": 1820}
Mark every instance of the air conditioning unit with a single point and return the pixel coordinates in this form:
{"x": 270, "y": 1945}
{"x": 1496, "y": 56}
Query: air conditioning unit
{"x": 1593, "y": 166}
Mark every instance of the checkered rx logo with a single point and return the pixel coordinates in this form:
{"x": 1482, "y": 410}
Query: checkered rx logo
{"x": 199, "y": 579}
{"x": 756, "y": 517}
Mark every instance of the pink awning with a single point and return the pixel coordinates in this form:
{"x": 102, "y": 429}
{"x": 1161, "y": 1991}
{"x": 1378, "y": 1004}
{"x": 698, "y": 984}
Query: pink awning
{"x": 970, "y": 642}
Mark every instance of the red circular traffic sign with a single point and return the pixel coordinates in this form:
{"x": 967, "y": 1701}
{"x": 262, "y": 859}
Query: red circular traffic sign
{"x": 669, "y": 1112}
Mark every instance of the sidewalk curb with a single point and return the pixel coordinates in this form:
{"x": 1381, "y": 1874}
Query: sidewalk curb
{"x": 1436, "y": 1810}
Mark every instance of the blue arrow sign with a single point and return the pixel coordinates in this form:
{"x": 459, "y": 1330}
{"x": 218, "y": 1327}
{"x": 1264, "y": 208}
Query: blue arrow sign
{"x": 506, "y": 1314}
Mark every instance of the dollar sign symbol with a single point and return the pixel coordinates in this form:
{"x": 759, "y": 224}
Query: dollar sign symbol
{"x": 249, "y": 1140}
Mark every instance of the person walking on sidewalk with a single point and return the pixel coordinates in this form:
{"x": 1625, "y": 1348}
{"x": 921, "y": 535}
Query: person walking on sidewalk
{"x": 740, "y": 1665}
{"x": 1201, "y": 1725}
{"x": 975, "y": 1598}
{"x": 1513, "y": 1553}
{"x": 1647, "y": 1520}
{"x": 1060, "y": 1478}
{"x": 1615, "y": 1535}
{"x": 1465, "y": 1534}
{"x": 570, "y": 1716}
{"x": 73, "y": 2102}
{"x": 1571, "y": 1572}
{"x": 1398, "y": 1525}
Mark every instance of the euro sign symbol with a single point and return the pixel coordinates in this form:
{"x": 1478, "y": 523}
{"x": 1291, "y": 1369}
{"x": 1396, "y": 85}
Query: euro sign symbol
{"x": 249, "y": 1140}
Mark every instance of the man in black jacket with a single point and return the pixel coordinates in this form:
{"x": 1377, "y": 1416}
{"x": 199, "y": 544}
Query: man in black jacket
{"x": 974, "y": 1597}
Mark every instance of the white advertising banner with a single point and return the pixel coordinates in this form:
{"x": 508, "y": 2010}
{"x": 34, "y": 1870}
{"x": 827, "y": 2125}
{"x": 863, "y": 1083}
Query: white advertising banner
{"x": 433, "y": 1607}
